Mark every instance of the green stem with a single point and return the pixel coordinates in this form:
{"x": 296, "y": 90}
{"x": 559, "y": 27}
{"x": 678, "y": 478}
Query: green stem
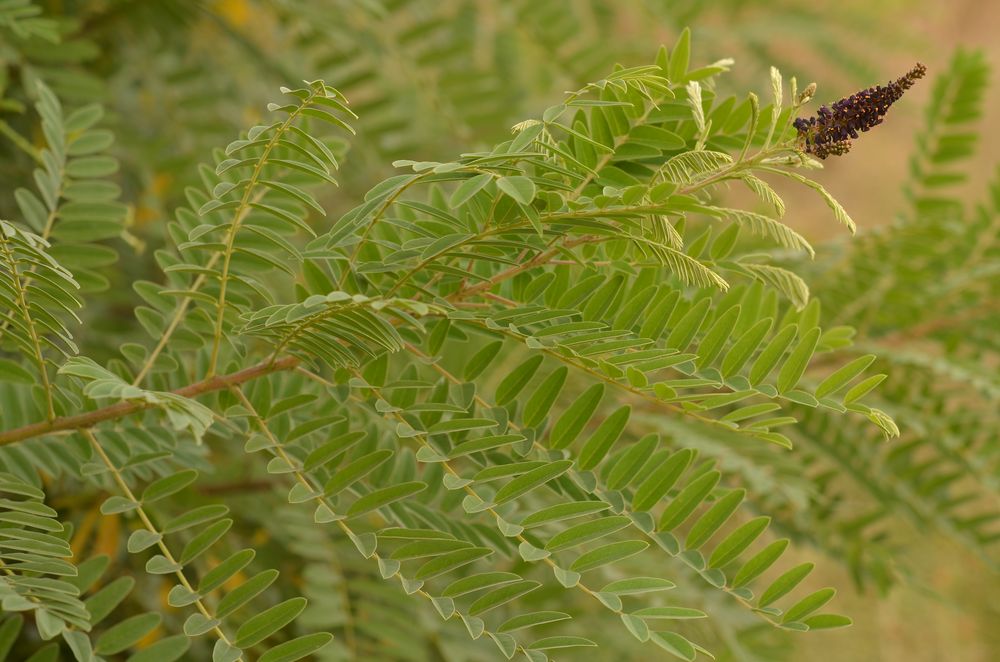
{"x": 304, "y": 479}
{"x": 22, "y": 305}
{"x": 239, "y": 215}
{"x": 16, "y": 138}
{"x": 149, "y": 526}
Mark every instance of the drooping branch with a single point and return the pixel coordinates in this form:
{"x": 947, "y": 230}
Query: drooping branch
{"x": 121, "y": 409}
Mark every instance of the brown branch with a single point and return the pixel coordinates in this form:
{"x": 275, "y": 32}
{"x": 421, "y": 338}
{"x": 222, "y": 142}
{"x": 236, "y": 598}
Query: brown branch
{"x": 540, "y": 259}
{"x": 120, "y": 409}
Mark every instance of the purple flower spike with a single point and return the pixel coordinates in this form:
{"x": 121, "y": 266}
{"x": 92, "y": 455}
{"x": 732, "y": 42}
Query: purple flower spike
{"x": 830, "y": 131}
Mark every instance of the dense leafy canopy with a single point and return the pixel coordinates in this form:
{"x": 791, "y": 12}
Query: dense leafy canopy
{"x": 557, "y": 381}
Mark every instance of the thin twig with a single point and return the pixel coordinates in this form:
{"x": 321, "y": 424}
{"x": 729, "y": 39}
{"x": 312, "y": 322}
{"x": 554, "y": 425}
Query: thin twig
{"x": 124, "y": 408}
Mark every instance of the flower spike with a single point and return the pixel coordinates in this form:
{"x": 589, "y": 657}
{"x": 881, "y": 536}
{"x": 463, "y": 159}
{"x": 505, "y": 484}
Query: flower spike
{"x": 830, "y": 131}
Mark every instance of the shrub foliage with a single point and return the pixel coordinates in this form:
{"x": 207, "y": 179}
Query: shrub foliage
{"x": 549, "y": 395}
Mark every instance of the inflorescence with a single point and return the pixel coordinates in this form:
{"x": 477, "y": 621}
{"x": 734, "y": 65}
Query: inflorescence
{"x": 830, "y": 131}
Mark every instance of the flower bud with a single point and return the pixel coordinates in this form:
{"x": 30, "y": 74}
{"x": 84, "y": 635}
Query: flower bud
{"x": 807, "y": 94}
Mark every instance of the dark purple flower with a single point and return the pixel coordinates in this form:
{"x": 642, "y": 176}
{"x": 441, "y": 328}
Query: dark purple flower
{"x": 830, "y": 131}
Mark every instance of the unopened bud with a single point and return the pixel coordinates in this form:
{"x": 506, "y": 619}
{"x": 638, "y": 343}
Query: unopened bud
{"x": 807, "y": 93}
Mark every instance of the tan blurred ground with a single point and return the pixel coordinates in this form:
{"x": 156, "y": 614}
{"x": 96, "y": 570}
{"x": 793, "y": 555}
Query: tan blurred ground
{"x": 869, "y": 182}
{"x": 955, "y": 616}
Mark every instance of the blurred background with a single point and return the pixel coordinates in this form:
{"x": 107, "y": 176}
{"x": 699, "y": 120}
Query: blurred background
{"x": 433, "y": 78}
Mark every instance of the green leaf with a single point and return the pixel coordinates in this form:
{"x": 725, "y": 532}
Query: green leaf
{"x": 674, "y": 644}
{"x": 125, "y": 634}
{"x": 538, "y": 405}
{"x": 195, "y": 516}
{"x": 483, "y": 444}
{"x": 563, "y": 641}
{"x": 198, "y": 624}
{"x": 724, "y": 242}
{"x": 607, "y": 554}
{"x": 168, "y": 485}
{"x": 714, "y": 340}
{"x": 531, "y": 553}
{"x": 117, "y": 504}
{"x": 808, "y": 605}
{"x": 10, "y": 629}
{"x": 32, "y": 209}
{"x": 164, "y": 650}
{"x": 181, "y": 596}
{"x": 141, "y": 539}
{"x": 531, "y": 480}
{"x": 738, "y": 541}
{"x": 478, "y": 582}
{"x": 713, "y": 520}
{"x": 575, "y": 418}
{"x": 482, "y": 359}
{"x": 661, "y": 479}
{"x": 161, "y": 565}
{"x": 355, "y": 471}
{"x": 862, "y": 388}
{"x": 468, "y": 188}
{"x": 567, "y": 578}
{"x": 14, "y": 373}
{"x": 686, "y": 329}
{"x": 827, "y": 621}
{"x": 636, "y": 627}
{"x": 448, "y": 562}
{"x": 656, "y": 137}
{"x": 439, "y": 247}
{"x": 245, "y": 592}
{"x": 461, "y": 425}
{"x": 330, "y": 450}
{"x": 563, "y": 511}
{"x": 534, "y": 619}
{"x": 263, "y": 625}
{"x": 793, "y": 369}
{"x": 842, "y": 376}
{"x": 88, "y": 167}
{"x": 638, "y": 586}
{"x": 298, "y": 648}
{"x": 785, "y": 583}
{"x": 687, "y": 500}
{"x": 103, "y": 602}
{"x": 587, "y": 532}
{"x": 838, "y": 210}
{"x": 680, "y": 613}
{"x": 680, "y": 55}
{"x": 771, "y": 354}
{"x": 501, "y": 596}
{"x": 750, "y": 411}
{"x": 84, "y": 118}
{"x": 520, "y": 188}
{"x": 201, "y": 542}
{"x": 627, "y": 467}
{"x": 385, "y": 496}
{"x": 744, "y": 347}
{"x": 422, "y": 548}
{"x": 516, "y": 380}
{"x": 604, "y": 437}
{"x": 760, "y": 562}
{"x": 89, "y": 571}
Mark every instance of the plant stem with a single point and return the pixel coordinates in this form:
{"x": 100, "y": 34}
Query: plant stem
{"x": 19, "y": 140}
{"x": 124, "y": 408}
{"x": 149, "y": 526}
